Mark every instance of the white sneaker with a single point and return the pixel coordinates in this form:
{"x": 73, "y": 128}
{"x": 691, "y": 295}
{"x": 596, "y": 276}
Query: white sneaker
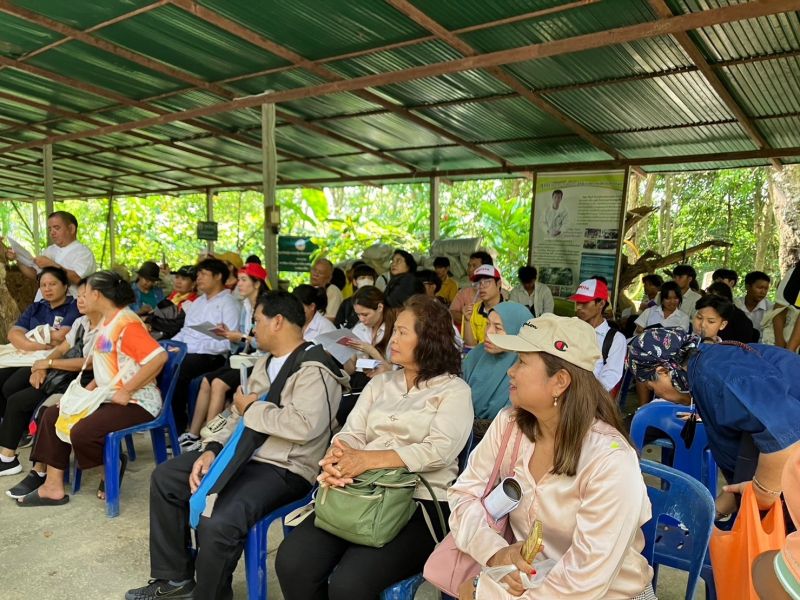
{"x": 191, "y": 446}
{"x": 10, "y": 468}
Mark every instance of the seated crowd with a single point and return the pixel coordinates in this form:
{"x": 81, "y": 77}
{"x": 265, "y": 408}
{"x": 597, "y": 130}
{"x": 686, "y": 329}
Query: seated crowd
{"x": 358, "y": 373}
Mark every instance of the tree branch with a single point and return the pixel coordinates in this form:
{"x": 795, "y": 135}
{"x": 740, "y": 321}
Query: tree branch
{"x": 650, "y": 261}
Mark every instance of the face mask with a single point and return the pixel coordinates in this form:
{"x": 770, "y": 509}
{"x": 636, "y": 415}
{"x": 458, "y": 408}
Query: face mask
{"x": 364, "y": 281}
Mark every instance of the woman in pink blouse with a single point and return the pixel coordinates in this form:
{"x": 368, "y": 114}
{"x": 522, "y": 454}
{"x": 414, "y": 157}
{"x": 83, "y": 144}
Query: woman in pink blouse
{"x": 578, "y": 473}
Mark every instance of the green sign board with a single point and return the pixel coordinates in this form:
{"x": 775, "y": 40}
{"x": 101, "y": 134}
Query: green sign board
{"x": 294, "y": 253}
{"x": 207, "y": 230}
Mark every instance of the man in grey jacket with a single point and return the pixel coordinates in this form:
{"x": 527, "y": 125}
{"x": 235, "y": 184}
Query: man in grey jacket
{"x": 297, "y": 424}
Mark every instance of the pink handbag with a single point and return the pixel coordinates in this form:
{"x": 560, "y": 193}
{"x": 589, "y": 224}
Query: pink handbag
{"x": 448, "y": 567}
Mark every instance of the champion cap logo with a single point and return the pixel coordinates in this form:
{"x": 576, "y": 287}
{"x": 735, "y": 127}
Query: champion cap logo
{"x": 560, "y": 345}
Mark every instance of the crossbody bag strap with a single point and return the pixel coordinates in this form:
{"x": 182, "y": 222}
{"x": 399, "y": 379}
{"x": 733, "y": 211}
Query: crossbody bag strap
{"x": 499, "y": 460}
{"x": 439, "y": 513}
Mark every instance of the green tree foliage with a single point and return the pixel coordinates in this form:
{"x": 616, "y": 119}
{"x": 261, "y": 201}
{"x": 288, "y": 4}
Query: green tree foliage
{"x": 714, "y": 205}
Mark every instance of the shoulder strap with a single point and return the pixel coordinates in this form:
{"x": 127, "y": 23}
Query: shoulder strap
{"x": 493, "y": 478}
{"x": 608, "y": 341}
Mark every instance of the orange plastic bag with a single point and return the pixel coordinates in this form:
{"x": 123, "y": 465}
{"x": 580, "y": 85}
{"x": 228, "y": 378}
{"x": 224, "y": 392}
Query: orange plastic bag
{"x": 733, "y": 552}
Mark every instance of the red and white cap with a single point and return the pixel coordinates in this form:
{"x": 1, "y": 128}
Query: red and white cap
{"x": 485, "y": 271}
{"x": 591, "y": 289}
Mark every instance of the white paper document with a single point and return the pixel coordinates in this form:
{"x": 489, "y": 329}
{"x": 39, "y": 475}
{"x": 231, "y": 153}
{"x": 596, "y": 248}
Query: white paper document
{"x": 208, "y": 329}
{"x": 23, "y": 256}
{"x": 335, "y": 343}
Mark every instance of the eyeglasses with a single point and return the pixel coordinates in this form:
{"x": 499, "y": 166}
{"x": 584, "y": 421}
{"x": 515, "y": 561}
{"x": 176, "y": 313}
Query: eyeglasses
{"x": 482, "y": 283}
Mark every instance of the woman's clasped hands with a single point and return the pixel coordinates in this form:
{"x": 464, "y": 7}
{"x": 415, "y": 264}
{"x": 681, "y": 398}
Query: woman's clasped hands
{"x": 342, "y": 464}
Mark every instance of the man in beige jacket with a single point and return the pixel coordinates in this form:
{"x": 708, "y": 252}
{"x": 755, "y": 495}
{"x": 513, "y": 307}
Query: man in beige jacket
{"x": 297, "y": 422}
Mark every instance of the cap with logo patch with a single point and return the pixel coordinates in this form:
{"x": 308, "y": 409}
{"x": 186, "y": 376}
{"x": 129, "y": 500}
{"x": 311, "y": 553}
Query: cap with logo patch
{"x": 591, "y": 289}
{"x": 570, "y": 339}
{"x": 485, "y": 272}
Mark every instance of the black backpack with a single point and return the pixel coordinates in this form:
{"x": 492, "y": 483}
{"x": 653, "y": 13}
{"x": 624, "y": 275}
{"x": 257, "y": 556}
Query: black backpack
{"x": 608, "y": 341}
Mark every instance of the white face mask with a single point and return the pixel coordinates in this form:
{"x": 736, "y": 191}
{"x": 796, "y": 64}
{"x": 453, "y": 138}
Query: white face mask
{"x": 364, "y": 281}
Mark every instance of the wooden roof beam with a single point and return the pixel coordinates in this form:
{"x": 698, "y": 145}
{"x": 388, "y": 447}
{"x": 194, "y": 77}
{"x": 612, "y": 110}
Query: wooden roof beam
{"x": 502, "y": 75}
{"x": 693, "y": 51}
{"x": 600, "y": 39}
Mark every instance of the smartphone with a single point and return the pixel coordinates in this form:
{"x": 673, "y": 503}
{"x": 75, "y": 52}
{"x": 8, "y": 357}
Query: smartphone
{"x": 243, "y": 378}
{"x": 367, "y": 363}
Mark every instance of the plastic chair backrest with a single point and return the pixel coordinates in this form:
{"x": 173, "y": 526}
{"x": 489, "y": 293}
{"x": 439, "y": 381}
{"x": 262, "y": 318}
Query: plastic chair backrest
{"x": 168, "y": 378}
{"x": 696, "y": 460}
{"x": 687, "y": 501}
{"x": 463, "y": 456}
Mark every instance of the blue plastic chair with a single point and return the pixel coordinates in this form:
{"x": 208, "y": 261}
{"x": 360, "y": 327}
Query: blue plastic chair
{"x": 406, "y": 589}
{"x": 165, "y": 420}
{"x": 256, "y": 547}
{"x": 681, "y": 498}
{"x": 696, "y": 461}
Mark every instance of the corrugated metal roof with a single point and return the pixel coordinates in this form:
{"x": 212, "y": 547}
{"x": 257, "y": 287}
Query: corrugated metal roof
{"x": 767, "y": 88}
{"x": 681, "y": 99}
{"x": 644, "y": 98}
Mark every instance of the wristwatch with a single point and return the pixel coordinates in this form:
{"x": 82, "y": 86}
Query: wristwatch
{"x": 50, "y": 363}
{"x": 475, "y": 581}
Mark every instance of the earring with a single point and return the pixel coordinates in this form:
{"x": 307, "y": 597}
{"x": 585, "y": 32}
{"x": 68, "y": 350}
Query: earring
{"x": 555, "y": 400}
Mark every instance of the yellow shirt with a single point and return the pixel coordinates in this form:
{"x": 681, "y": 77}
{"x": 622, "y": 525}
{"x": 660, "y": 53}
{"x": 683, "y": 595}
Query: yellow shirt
{"x": 449, "y": 290}
{"x": 348, "y": 290}
{"x": 478, "y": 323}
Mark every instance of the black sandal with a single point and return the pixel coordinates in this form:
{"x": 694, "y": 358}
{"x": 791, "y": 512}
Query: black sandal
{"x": 101, "y": 489}
{"x": 34, "y": 499}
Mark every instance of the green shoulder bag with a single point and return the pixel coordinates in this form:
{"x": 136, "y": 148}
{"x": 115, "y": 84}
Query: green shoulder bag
{"x": 373, "y": 509}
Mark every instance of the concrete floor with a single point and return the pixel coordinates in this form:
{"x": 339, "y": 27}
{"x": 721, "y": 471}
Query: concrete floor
{"x": 75, "y": 552}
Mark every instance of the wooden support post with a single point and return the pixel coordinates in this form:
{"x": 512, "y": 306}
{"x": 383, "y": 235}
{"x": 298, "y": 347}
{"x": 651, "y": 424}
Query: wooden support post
{"x": 37, "y": 247}
{"x": 269, "y": 180}
{"x": 49, "y": 204}
{"x": 112, "y": 233}
{"x": 209, "y": 216}
{"x": 435, "y": 212}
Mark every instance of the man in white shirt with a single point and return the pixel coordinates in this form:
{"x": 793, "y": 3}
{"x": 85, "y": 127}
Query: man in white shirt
{"x": 66, "y": 252}
{"x": 684, "y": 275}
{"x": 556, "y": 215}
{"x": 754, "y": 303}
{"x": 535, "y": 295}
{"x": 321, "y": 274}
{"x": 206, "y": 353}
{"x": 591, "y": 300}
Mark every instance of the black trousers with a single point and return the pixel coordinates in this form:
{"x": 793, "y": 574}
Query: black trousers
{"x": 258, "y": 489}
{"x": 193, "y": 366}
{"x": 313, "y": 564}
{"x": 18, "y": 400}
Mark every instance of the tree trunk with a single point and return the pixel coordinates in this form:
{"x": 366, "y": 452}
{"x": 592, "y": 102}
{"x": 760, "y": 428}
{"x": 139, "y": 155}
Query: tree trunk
{"x": 665, "y": 218}
{"x": 763, "y": 222}
{"x": 786, "y": 198}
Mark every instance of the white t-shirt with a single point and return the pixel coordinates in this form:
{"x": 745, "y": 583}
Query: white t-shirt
{"x": 757, "y": 314}
{"x": 555, "y": 219}
{"x": 73, "y": 257}
{"x": 655, "y": 316}
{"x": 275, "y": 365}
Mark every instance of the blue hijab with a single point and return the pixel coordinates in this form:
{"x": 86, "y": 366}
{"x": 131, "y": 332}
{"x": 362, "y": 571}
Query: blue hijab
{"x": 487, "y": 374}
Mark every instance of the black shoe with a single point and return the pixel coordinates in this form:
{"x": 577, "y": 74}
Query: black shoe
{"x": 159, "y": 588}
{"x": 10, "y": 468}
{"x": 26, "y": 486}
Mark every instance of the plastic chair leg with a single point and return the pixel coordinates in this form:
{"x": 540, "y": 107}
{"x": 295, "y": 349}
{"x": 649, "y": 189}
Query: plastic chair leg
{"x": 159, "y": 444}
{"x": 111, "y": 462}
{"x": 255, "y": 561}
{"x": 131, "y": 449}
{"x": 76, "y": 481}
{"x": 172, "y": 430}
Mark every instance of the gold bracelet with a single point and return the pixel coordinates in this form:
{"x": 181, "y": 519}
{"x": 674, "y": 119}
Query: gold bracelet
{"x": 764, "y": 489}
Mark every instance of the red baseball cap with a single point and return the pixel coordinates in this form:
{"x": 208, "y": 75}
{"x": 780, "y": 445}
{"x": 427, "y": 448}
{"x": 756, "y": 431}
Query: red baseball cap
{"x": 254, "y": 270}
{"x": 591, "y": 289}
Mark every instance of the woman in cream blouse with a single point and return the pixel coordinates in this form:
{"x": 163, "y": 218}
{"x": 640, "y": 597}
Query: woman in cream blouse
{"x": 418, "y": 417}
{"x": 578, "y": 473}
